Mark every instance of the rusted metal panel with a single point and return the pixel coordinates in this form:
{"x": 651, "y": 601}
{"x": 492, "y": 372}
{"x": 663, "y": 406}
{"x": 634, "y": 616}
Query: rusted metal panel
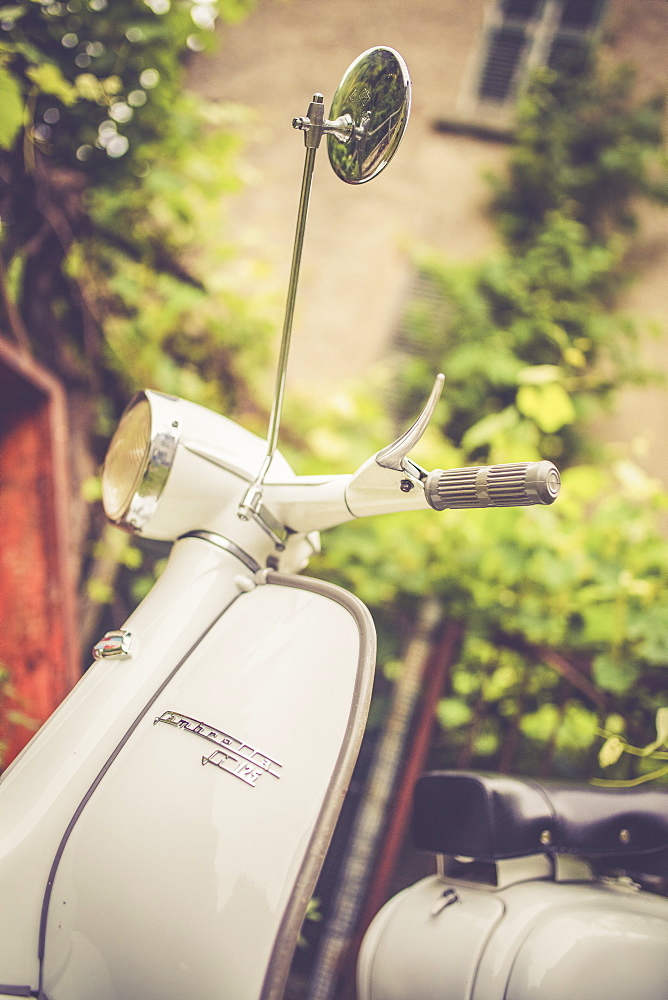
{"x": 37, "y": 624}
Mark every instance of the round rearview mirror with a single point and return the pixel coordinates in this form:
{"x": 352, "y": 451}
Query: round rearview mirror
{"x": 371, "y": 108}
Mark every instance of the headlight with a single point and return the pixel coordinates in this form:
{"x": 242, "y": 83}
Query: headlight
{"x": 139, "y": 459}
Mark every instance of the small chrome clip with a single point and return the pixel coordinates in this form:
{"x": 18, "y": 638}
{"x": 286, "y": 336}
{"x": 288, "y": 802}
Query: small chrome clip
{"x": 116, "y": 643}
{"x": 447, "y": 898}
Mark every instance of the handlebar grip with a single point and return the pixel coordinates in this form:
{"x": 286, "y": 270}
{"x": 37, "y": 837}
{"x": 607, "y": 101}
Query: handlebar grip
{"x": 516, "y": 485}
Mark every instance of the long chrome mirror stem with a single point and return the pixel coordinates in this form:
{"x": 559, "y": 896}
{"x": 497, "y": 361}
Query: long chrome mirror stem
{"x": 304, "y": 198}
{"x": 251, "y": 504}
{"x": 369, "y": 113}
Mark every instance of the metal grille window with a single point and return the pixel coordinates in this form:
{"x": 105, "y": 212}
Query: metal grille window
{"x": 506, "y": 46}
{"x": 521, "y": 9}
{"x": 520, "y": 35}
{"x": 580, "y": 14}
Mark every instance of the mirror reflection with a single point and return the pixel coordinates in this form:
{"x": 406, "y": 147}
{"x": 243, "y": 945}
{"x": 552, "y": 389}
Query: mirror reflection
{"x": 373, "y": 100}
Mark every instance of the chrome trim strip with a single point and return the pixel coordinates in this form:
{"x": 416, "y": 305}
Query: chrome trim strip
{"x": 224, "y": 543}
{"x": 158, "y": 459}
{"x": 293, "y": 918}
{"x": 165, "y": 434}
{"x": 220, "y": 461}
{"x": 41, "y": 947}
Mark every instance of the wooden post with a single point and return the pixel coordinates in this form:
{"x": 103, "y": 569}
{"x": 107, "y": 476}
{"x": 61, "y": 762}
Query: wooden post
{"x": 38, "y": 648}
{"x": 444, "y": 653}
{"x": 394, "y": 770}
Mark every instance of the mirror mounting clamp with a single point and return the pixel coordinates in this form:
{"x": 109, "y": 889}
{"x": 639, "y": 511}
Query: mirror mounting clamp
{"x": 314, "y": 124}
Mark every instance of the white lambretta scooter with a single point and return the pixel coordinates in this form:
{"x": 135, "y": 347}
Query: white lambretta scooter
{"x": 545, "y": 890}
{"x": 160, "y": 837}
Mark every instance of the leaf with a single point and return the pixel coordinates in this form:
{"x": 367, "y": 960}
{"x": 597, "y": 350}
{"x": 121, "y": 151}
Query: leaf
{"x": 486, "y": 429}
{"x": 452, "y": 713}
{"x": 549, "y": 405}
{"x": 650, "y": 626}
{"x": 661, "y": 772}
{"x": 131, "y": 557}
{"x": 50, "y": 80}
{"x": 538, "y": 375}
{"x": 599, "y": 622}
{"x": 15, "y": 11}
{"x": 662, "y": 726}
{"x": 89, "y": 87}
{"x": 578, "y": 727}
{"x": 91, "y": 489}
{"x": 611, "y": 751}
{"x": 575, "y": 357}
{"x": 11, "y": 102}
{"x": 661, "y": 723}
{"x": 21, "y": 719}
{"x": 99, "y": 592}
{"x": 612, "y": 675}
{"x": 112, "y": 85}
{"x": 541, "y": 724}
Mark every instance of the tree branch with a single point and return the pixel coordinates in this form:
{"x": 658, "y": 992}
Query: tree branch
{"x": 554, "y": 659}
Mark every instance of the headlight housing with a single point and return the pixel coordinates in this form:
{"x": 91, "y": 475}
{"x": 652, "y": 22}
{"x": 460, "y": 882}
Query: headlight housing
{"x": 173, "y": 467}
{"x": 139, "y": 459}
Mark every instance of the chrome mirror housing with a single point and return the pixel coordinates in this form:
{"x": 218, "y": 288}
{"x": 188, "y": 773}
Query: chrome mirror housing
{"x": 370, "y": 109}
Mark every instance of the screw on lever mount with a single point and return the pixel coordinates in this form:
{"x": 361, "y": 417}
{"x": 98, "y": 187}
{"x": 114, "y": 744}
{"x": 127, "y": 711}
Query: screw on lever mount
{"x": 515, "y": 485}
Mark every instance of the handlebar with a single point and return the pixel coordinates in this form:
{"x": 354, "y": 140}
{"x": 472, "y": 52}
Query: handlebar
{"x": 515, "y": 485}
{"x": 315, "y": 503}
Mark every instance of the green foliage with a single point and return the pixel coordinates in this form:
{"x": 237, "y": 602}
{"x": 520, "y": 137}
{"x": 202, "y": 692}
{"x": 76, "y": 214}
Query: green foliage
{"x": 94, "y": 81}
{"x": 565, "y": 607}
{"x": 12, "y": 118}
{"x": 615, "y": 746}
{"x": 313, "y": 916}
{"x": 177, "y": 313}
{"x": 115, "y": 173}
{"x": 112, "y": 176}
{"x": 114, "y": 270}
{"x": 530, "y": 340}
{"x": 12, "y": 707}
{"x": 528, "y": 345}
{"x": 585, "y": 149}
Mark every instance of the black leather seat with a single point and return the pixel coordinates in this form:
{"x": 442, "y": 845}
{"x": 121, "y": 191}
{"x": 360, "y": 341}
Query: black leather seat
{"x": 490, "y": 817}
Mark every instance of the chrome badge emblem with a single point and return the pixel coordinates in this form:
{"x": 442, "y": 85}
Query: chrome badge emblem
{"x": 232, "y": 755}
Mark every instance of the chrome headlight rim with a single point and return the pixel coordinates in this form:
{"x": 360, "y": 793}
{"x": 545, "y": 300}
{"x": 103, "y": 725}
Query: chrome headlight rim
{"x": 150, "y": 478}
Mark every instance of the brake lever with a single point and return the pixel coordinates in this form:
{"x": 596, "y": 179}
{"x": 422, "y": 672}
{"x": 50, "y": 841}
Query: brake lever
{"x": 395, "y": 455}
